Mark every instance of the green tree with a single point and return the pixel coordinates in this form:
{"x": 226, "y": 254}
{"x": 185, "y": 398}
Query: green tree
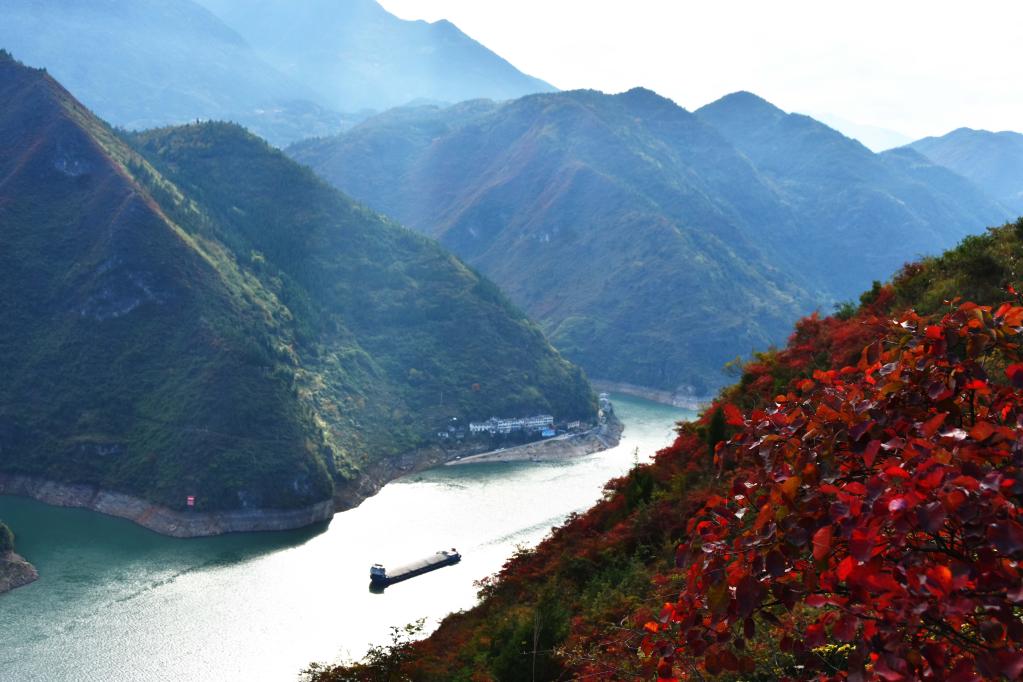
{"x": 6, "y": 539}
{"x": 716, "y": 429}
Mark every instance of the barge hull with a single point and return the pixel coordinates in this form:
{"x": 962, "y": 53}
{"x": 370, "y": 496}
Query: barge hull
{"x": 432, "y": 563}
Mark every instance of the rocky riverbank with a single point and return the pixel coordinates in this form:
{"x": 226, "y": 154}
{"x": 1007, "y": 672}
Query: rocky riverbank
{"x": 200, "y": 524}
{"x": 603, "y": 437}
{"x": 374, "y": 477}
{"x": 161, "y": 519}
{"x": 15, "y": 572}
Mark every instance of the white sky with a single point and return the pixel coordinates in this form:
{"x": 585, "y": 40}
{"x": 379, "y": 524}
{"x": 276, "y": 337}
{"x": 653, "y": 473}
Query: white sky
{"x": 914, "y": 66}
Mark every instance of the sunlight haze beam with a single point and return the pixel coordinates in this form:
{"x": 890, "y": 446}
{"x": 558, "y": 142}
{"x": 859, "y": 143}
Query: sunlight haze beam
{"x": 920, "y": 68}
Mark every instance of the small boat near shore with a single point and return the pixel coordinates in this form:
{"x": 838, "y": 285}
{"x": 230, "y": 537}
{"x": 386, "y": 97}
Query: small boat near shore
{"x": 381, "y": 577}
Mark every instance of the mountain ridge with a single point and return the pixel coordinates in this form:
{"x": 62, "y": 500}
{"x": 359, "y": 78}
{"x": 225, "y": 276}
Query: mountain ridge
{"x": 154, "y": 62}
{"x": 992, "y": 160}
{"x": 360, "y": 56}
{"x": 592, "y": 210}
{"x": 177, "y": 329}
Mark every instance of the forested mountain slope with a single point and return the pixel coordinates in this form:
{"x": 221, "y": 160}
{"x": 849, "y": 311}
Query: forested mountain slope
{"x": 202, "y": 316}
{"x": 652, "y": 244}
{"x": 880, "y": 209}
{"x": 993, "y": 161}
{"x": 619, "y": 223}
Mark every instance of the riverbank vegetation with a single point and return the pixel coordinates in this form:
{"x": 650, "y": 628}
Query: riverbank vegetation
{"x": 6, "y": 539}
{"x": 849, "y": 509}
{"x": 14, "y": 570}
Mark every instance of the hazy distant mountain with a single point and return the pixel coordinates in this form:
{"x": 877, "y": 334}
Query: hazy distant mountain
{"x": 144, "y": 63}
{"x": 611, "y": 219}
{"x": 202, "y": 316}
{"x": 356, "y": 55}
{"x": 874, "y": 138}
{"x": 994, "y": 161}
{"x": 653, "y": 244}
{"x": 880, "y": 209}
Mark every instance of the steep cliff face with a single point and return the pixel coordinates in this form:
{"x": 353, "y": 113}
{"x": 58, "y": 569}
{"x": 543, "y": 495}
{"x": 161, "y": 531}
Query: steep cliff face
{"x": 228, "y": 335}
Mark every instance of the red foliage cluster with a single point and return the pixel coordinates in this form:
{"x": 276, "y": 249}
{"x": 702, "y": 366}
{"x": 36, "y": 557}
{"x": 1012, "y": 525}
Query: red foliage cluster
{"x": 876, "y": 505}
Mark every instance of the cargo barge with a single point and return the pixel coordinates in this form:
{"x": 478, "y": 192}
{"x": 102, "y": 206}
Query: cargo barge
{"x": 380, "y": 577}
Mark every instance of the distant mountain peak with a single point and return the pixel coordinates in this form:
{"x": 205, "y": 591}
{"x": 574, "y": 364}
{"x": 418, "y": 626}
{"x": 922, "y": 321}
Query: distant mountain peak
{"x": 599, "y": 213}
{"x": 994, "y": 161}
{"x": 745, "y": 100}
{"x": 357, "y": 55}
{"x": 640, "y": 91}
{"x": 647, "y": 95}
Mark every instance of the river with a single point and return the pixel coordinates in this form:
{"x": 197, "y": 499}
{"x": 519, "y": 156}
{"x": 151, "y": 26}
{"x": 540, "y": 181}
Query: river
{"x": 117, "y": 602}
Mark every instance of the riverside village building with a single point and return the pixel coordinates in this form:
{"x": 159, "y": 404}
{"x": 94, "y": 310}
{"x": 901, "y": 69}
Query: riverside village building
{"x": 540, "y": 423}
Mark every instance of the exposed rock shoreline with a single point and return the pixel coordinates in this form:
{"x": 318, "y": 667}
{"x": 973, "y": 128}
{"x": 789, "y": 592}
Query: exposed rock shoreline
{"x": 685, "y": 400}
{"x": 202, "y": 524}
{"x": 15, "y": 572}
{"x": 374, "y": 477}
{"x": 161, "y": 519}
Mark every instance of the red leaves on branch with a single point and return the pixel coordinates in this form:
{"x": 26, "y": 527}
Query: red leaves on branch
{"x": 733, "y": 417}
{"x": 875, "y": 506}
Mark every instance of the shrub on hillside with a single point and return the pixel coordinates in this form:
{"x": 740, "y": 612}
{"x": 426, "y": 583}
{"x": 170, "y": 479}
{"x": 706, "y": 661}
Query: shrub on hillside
{"x": 6, "y": 539}
{"x": 872, "y": 525}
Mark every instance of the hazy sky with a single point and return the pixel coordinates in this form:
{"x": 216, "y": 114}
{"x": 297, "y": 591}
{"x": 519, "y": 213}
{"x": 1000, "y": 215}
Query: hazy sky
{"x": 920, "y": 68}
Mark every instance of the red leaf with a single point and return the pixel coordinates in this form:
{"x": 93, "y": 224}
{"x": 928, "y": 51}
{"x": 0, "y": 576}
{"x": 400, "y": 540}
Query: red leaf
{"x": 861, "y": 545}
{"x": 845, "y": 568}
{"x": 821, "y": 543}
{"x": 1015, "y": 374}
{"x": 896, "y": 472}
{"x": 981, "y": 431}
{"x": 845, "y": 629}
{"x": 871, "y": 452}
{"x": 941, "y": 578}
{"x": 748, "y": 595}
{"x": 928, "y": 428}
{"x": 935, "y": 333}
{"x": 886, "y": 673}
{"x": 733, "y": 417}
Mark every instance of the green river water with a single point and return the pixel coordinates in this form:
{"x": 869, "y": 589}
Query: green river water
{"x": 117, "y": 602}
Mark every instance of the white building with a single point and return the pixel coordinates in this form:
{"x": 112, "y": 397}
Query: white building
{"x": 495, "y": 425}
